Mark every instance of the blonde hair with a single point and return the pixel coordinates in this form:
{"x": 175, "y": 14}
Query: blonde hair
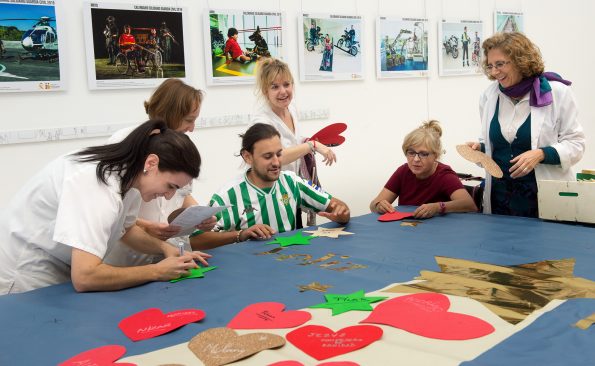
{"x": 172, "y": 101}
{"x": 523, "y": 53}
{"x": 268, "y": 70}
{"x": 427, "y": 134}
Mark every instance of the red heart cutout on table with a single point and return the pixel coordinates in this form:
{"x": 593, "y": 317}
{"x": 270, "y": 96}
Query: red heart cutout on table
{"x": 427, "y": 315}
{"x": 330, "y": 135}
{"x": 153, "y": 322}
{"x": 322, "y": 343}
{"x": 394, "y": 216}
{"x": 268, "y": 315}
{"x": 100, "y": 356}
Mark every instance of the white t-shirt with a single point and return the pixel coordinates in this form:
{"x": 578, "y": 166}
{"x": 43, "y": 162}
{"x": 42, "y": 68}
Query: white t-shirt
{"x": 288, "y": 138}
{"x": 156, "y": 210}
{"x": 64, "y": 206}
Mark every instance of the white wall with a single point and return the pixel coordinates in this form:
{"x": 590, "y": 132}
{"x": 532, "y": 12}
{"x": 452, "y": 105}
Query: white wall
{"x": 379, "y": 112}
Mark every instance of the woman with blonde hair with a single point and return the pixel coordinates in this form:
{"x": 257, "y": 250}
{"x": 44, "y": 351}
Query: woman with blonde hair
{"x": 424, "y": 181}
{"x": 274, "y": 84}
{"x": 529, "y": 125}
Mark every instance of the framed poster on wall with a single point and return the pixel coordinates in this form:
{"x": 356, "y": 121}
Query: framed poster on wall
{"x": 237, "y": 40}
{"x": 330, "y": 47}
{"x": 459, "y": 47}
{"x": 134, "y": 46}
{"x": 30, "y": 50}
{"x": 508, "y": 21}
{"x": 401, "y": 47}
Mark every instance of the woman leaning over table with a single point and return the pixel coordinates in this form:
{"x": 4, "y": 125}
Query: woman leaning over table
{"x": 424, "y": 181}
{"x": 529, "y": 125}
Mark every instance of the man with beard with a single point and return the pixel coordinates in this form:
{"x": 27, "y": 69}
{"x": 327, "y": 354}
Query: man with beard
{"x": 265, "y": 199}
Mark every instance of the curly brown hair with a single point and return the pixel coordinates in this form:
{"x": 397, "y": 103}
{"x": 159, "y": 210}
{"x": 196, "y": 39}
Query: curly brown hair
{"x": 523, "y": 53}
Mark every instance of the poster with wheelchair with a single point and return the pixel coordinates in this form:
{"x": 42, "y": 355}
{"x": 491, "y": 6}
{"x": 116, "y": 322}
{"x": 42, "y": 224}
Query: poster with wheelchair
{"x": 508, "y": 21}
{"x": 238, "y": 40}
{"x": 133, "y": 45}
{"x": 401, "y": 47}
{"x": 330, "y": 47}
{"x": 459, "y": 47}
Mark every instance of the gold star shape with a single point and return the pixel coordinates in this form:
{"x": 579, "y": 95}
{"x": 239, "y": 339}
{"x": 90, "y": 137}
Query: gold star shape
{"x": 314, "y": 286}
{"x": 329, "y": 232}
{"x": 410, "y": 223}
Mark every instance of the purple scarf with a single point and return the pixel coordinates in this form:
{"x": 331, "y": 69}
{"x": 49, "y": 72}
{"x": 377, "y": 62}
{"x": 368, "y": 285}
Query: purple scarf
{"x": 538, "y": 86}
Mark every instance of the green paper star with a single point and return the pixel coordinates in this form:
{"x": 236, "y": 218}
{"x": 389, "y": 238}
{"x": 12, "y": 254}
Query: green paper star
{"x": 342, "y": 303}
{"x": 296, "y": 239}
{"x": 194, "y": 273}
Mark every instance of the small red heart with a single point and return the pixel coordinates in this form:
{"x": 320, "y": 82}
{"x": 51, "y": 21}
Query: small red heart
{"x": 322, "y": 343}
{"x": 153, "y": 322}
{"x": 330, "y": 135}
{"x": 332, "y": 363}
{"x": 268, "y": 315}
{"x": 394, "y": 216}
{"x": 100, "y": 356}
{"x": 427, "y": 315}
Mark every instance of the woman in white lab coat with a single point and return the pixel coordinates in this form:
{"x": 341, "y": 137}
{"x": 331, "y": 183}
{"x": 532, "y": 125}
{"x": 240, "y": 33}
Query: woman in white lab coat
{"x": 67, "y": 218}
{"x": 178, "y": 104}
{"x": 529, "y": 125}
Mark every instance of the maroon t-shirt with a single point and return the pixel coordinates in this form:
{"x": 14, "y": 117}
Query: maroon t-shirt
{"x": 415, "y": 192}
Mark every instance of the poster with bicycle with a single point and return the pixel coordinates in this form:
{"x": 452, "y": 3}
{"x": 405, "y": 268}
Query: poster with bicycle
{"x": 459, "y": 47}
{"x": 29, "y": 48}
{"x": 508, "y": 21}
{"x": 330, "y": 47}
{"x": 238, "y": 40}
{"x": 401, "y": 47}
{"x": 130, "y": 45}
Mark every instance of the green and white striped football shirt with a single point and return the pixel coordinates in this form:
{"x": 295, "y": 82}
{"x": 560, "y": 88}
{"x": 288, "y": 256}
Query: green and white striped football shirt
{"x": 251, "y": 205}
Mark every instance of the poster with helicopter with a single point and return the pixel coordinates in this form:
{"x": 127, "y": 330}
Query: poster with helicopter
{"x": 508, "y": 21}
{"x": 459, "y": 47}
{"x": 133, "y": 45}
{"x": 330, "y": 47}
{"x": 29, "y": 49}
{"x": 401, "y": 47}
{"x": 238, "y": 40}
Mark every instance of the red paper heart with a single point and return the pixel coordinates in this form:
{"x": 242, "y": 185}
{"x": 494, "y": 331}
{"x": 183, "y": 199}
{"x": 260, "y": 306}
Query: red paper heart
{"x": 268, "y": 315}
{"x": 153, "y": 322}
{"x": 330, "y": 135}
{"x": 100, "y": 356}
{"x": 322, "y": 343}
{"x": 394, "y": 216}
{"x": 427, "y": 315}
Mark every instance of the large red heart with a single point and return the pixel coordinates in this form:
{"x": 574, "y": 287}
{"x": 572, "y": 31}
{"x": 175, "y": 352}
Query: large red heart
{"x": 322, "y": 343}
{"x": 153, "y": 322}
{"x": 394, "y": 216}
{"x": 330, "y": 135}
{"x": 268, "y": 315}
{"x": 427, "y": 315}
{"x": 100, "y": 356}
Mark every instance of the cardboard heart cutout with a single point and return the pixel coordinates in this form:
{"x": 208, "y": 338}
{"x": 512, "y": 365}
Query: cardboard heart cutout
{"x": 268, "y": 315}
{"x": 330, "y": 135}
{"x": 394, "y": 216}
{"x": 220, "y": 346}
{"x": 100, "y": 356}
{"x": 427, "y": 315}
{"x": 322, "y": 343}
{"x": 476, "y": 156}
{"x": 153, "y": 322}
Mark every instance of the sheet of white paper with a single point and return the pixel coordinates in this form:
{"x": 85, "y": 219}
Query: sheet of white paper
{"x": 193, "y": 216}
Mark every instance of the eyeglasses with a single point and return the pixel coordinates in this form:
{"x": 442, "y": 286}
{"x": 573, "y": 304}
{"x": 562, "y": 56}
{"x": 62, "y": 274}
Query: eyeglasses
{"x": 498, "y": 65}
{"x": 411, "y": 154}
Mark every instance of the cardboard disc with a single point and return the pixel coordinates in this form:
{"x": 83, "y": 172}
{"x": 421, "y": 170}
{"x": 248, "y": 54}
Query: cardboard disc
{"x": 476, "y": 156}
